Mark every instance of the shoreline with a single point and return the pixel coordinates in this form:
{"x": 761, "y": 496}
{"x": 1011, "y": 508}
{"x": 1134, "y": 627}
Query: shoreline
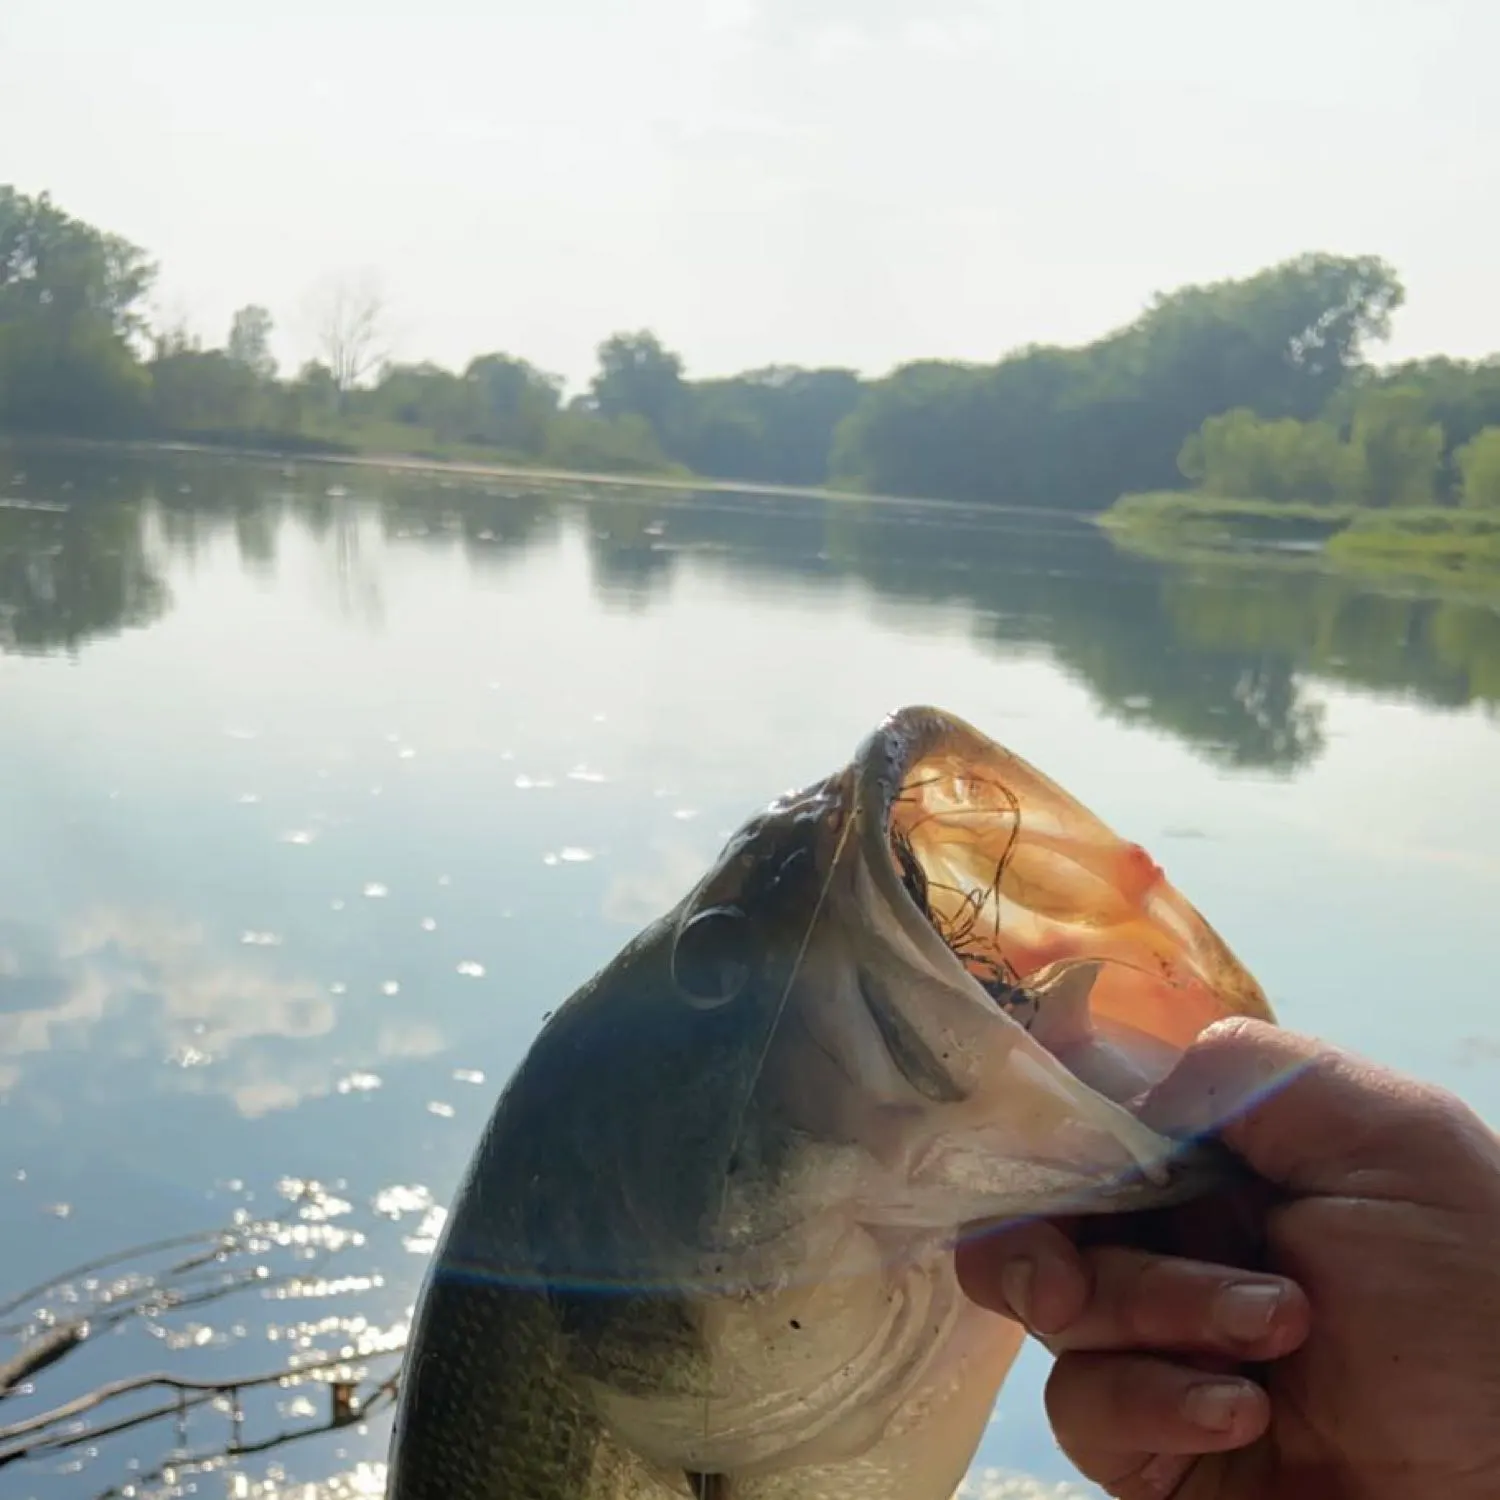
{"x": 1429, "y": 544}
{"x": 478, "y": 469}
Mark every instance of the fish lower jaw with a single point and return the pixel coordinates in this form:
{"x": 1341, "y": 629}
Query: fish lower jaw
{"x": 951, "y": 1182}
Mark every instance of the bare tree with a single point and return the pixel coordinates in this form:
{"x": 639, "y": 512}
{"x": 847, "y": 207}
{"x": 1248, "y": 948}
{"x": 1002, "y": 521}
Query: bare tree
{"x": 348, "y": 315}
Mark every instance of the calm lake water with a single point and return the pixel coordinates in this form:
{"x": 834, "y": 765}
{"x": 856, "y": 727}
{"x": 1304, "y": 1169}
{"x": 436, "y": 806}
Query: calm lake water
{"x": 319, "y": 786}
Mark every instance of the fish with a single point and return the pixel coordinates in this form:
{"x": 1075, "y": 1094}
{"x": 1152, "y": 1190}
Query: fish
{"x": 704, "y": 1247}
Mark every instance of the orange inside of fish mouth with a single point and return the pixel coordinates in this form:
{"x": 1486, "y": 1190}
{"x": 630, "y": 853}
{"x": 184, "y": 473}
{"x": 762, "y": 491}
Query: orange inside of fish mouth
{"x": 1016, "y": 875}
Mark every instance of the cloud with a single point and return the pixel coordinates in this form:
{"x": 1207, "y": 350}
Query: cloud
{"x": 398, "y": 1039}
{"x": 1002, "y": 1484}
{"x": 206, "y": 1007}
{"x": 265, "y": 1095}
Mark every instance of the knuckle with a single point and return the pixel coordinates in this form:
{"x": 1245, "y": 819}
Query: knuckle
{"x": 1144, "y": 1297}
{"x": 1231, "y": 1031}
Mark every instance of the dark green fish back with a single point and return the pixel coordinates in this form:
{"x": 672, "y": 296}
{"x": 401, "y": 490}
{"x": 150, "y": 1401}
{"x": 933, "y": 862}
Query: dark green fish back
{"x": 533, "y": 1289}
{"x": 491, "y": 1412}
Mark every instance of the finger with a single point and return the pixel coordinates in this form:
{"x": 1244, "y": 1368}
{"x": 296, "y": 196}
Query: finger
{"x": 1224, "y": 1228}
{"x": 1312, "y": 1118}
{"x": 1114, "y": 1415}
{"x": 1144, "y": 1301}
{"x": 1029, "y": 1272}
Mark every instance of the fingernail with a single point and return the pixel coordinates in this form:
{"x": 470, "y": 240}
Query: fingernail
{"x": 1214, "y": 1405}
{"x": 1244, "y": 1310}
{"x": 1015, "y": 1282}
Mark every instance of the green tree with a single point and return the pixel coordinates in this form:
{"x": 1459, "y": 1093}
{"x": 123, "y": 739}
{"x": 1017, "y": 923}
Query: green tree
{"x": 1242, "y": 456}
{"x": 800, "y": 410}
{"x": 70, "y": 305}
{"x": 1281, "y": 341}
{"x": 1399, "y": 448}
{"x": 498, "y": 401}
{"x": 1462, "y": 397}
{"x": 204, "y": 391}
{"x": 1479, "y": 466}
{"x": 423, "y": 395}
{"x": 58, "y": 271}
{"x": 314, "y": 395}
{"x": 250, "y": 342}
{"x": 773, "y": 425}
{"x": 637, "y": 377}
{"x": 723, "y": 432}
{"x": 81, "y": 379}
{"x": 514, "y": 402}
{"x": 586, "y": 441}
{"x": 921, "y": 432}
{"x": 1076, "y": 427}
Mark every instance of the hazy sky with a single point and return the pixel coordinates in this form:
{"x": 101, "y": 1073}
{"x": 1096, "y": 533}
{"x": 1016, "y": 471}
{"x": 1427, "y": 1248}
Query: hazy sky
{"x": 818, "y": 181}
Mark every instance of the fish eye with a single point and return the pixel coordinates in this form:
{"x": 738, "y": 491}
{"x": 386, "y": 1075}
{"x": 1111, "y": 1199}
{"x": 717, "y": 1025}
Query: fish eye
{"x": 711, "y": 959}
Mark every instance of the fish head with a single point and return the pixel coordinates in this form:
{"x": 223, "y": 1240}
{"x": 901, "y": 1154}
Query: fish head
{"x": 929, "y": 985}
{"x": 953, "y": 978}
{"x": 914, "y": 997}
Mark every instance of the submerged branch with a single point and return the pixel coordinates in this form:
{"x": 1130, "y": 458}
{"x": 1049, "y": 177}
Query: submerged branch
{"x": 345, "y": 1409}
{"x": 39, "y": 1354}
{"x": 225, "y": 1238}
{"x": 118, "y": 1388}
{"x": 353, "y": 1396}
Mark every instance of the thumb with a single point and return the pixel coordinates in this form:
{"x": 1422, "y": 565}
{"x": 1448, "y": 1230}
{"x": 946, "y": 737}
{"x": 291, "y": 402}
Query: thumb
{"x": 1314, "y": 1119}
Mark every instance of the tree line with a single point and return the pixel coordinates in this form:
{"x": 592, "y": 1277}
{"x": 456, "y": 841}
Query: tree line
{"x": 1391, "y": 441}
{"x": 1262, "y": 381}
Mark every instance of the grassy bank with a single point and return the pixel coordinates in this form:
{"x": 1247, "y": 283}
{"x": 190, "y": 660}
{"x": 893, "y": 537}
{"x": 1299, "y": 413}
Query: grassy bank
{"x": 1461, "y": 545}
{"x": 364, "y": 437}
{"x": 371, "y": 438}
{"x": 1206, "y": 518}
{"x": 1436, "y": 543}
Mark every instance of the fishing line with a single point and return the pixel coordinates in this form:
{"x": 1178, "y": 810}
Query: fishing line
{"x": 771, "y": 1030}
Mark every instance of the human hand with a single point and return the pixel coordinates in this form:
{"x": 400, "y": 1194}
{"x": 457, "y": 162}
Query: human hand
{"x": 1376, "y": 1230}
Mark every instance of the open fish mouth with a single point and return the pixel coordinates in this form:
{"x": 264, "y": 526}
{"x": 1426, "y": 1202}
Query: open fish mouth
{"x": 1036, "y": 974}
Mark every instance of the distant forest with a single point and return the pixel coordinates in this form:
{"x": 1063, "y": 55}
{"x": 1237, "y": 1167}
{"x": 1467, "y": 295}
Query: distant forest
{"x": 1256, "y": 386}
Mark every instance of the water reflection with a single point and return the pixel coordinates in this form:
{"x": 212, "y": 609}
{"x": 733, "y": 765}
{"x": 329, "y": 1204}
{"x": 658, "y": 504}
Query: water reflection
{"x": 1228, "y": 658}
{"x": 295, "y": 860}
{"x": 166, "y": 983}
{"x": 69, "y": 575}
{"x": 215, "y": 1346}
{"x": 629, "y": 563}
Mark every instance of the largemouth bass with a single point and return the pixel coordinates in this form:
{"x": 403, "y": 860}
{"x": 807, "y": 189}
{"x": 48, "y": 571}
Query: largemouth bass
{"x": 704, "y": 1248}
